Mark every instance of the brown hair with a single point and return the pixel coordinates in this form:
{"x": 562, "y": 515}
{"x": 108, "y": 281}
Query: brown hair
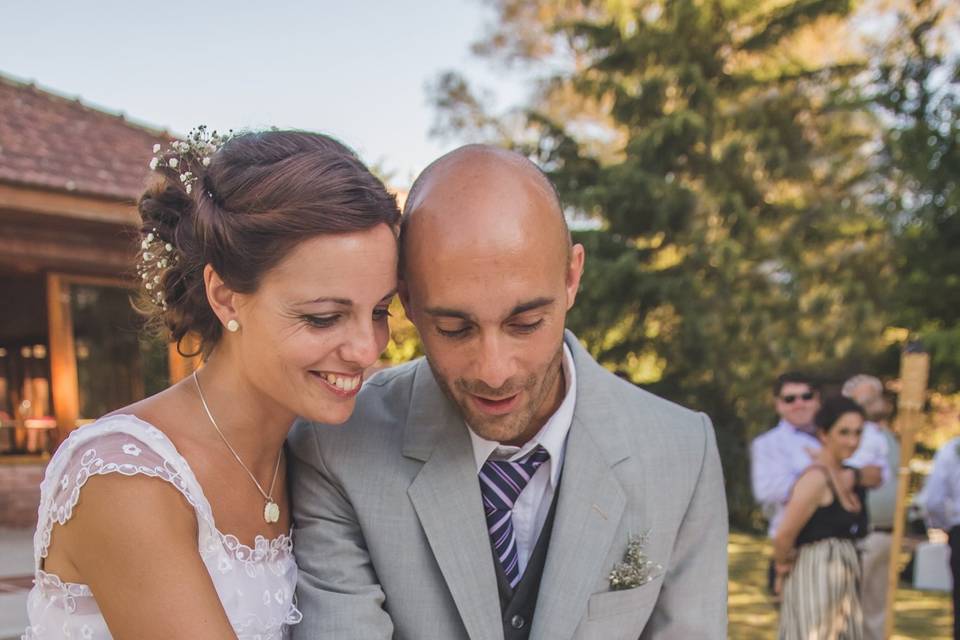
{"x": 833, "y": 409}
{"x": 262, "y": 194}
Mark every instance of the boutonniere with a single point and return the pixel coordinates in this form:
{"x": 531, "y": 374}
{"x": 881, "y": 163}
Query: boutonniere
{"x": 636, "y": 569}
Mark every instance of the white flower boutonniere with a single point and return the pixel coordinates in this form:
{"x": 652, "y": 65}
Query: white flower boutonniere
{"x": 636, "y": 569}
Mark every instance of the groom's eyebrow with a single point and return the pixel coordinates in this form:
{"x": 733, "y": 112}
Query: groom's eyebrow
{"x": 446, "y": 312}
{"x": 536, "y": 303}
{"x": 523, "y": 307}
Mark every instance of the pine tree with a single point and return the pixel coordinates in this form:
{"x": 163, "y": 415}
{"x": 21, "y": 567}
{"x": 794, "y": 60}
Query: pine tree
{"x": 917, "y": 91}
{"x": 722, "y": 145}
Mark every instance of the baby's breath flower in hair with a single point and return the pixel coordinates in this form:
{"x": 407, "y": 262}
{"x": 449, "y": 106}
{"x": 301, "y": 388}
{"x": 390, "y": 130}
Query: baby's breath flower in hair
{"x": 185, "y": 158}
{"x": 192, "y": 153}
{"x": 156, "y": 256}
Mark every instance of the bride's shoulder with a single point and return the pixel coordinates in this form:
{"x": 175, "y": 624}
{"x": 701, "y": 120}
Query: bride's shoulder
{"x": 117, "y": 435}
{"x": 118, "y": 444}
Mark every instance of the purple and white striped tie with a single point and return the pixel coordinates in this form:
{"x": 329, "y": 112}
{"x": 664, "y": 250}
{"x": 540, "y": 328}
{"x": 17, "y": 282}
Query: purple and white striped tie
{"x": 501, "y": 483}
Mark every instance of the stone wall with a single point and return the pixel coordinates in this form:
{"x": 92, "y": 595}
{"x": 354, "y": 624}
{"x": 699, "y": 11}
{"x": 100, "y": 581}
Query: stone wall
{"x": 20, "y": 494}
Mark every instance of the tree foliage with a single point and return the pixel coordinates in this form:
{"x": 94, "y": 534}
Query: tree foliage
{"x": 725, "y": 149}
{"x": 916, "y": 91}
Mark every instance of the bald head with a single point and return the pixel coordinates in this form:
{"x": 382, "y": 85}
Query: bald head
{"x": 488, "y": 275}
{"x": 481, "y": 194}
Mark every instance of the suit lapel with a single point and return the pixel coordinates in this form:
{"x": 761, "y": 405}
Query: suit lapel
{"x": 446, "y": 497}
{"x": 590, "y": 505}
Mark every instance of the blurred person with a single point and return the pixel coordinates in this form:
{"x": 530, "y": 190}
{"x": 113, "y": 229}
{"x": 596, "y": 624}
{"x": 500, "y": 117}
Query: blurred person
{"x": 170, "y": 518}
{"x": 780, "y": 455}
{"x": 817, "y": 567}
{"x": 877, "y": 440}
{"x": 940, "y": 500}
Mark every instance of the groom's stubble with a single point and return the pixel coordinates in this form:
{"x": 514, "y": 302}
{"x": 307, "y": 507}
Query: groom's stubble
{"x": 543, "y": 392}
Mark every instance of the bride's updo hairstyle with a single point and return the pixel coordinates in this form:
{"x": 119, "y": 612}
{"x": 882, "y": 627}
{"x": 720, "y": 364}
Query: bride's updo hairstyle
{"x": 242, "y": 207}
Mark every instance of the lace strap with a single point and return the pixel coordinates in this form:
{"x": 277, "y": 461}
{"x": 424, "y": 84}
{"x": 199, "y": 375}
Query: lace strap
{"x": 119, "y": 444}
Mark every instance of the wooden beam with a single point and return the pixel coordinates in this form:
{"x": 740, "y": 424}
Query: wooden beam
{"x": 75, "y": 206}
{"x": 63, "y": 356}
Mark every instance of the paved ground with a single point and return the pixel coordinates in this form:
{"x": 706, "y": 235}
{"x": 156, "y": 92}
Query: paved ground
{"x": 16, "y": 578}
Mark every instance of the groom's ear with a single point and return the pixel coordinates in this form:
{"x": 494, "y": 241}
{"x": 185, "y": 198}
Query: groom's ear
{"x": 403, "y": 292}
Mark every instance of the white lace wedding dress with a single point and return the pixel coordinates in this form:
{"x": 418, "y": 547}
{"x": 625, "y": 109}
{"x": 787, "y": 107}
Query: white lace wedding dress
{"x": 256, "y": 585}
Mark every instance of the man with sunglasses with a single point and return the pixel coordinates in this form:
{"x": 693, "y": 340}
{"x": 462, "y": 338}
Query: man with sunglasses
{"x": 779, "y": 456}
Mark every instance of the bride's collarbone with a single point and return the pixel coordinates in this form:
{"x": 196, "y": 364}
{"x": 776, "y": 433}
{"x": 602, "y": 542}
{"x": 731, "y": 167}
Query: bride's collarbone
{"x": 237, "y": 506}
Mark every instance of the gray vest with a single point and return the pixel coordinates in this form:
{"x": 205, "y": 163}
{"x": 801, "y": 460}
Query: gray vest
{"x": 518, "y": 605}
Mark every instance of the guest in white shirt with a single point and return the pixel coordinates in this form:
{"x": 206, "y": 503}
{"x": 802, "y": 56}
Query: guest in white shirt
{"x": 876, "y": 442}
{"x": 941, "y": 500}
{"x": 780, "y": 455}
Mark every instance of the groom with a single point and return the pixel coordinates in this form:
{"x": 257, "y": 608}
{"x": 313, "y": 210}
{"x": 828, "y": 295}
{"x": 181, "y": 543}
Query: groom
{"x": 492, "y": 489}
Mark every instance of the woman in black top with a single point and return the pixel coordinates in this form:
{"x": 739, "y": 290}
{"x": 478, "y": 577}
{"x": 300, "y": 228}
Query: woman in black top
{"x": 818, "y": 570}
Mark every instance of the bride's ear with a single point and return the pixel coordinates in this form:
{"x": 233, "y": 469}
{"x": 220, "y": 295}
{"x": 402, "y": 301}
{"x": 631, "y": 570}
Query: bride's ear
{"x": 222, "y": 299}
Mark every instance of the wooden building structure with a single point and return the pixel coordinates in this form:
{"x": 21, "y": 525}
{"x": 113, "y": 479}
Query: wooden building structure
{"x": 71, "y": 347}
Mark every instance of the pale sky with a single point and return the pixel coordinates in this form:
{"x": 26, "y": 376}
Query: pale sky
{"x": 356, "y": 70}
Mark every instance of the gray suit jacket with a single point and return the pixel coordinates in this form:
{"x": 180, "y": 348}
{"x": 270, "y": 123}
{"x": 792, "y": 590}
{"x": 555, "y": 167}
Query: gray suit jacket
{"x": 391, "y": 539}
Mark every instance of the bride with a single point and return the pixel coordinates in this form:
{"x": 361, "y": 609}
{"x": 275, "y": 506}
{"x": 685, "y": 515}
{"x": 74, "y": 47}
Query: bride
{"x": 170, "y": 518}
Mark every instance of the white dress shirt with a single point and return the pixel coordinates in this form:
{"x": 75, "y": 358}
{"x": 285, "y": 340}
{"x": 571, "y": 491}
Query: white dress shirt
{"x": 533, "y": 505}
{"x": 940, "y": 497}
{"x": 779, "y": 456}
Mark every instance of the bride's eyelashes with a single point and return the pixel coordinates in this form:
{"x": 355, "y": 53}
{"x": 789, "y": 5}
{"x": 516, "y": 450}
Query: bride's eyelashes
{"x": 380, "y": 314}
{"x": 321, "y": 322}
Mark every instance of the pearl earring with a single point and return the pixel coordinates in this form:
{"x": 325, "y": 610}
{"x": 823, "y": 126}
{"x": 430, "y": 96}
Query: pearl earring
{"x": 233, "y": 326}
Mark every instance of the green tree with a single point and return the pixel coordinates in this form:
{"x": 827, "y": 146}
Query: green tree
{"x": 723, "y": 146}
{"x": 917, "y": 92}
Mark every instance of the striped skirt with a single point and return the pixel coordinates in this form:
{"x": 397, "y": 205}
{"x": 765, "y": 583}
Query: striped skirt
{"x": 821, "y": 594}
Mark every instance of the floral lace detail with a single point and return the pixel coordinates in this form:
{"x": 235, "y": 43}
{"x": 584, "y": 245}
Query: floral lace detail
{"x": 64, "y": 594}
{"x": 256, "y": 583}
{"x": 92, "y": 465}
{"x": 264, "y": 554}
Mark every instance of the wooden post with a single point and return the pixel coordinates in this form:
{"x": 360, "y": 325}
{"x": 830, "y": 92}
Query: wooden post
{"x": 914, "y": 370}
{"x": 63, "y": 356}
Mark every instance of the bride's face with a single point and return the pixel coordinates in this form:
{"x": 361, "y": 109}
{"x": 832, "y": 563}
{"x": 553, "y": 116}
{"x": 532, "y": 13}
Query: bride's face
{"x": 317, "y": 320}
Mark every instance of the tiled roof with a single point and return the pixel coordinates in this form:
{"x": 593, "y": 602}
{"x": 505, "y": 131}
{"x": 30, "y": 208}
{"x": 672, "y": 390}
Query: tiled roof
{"x": 54, "y": 142}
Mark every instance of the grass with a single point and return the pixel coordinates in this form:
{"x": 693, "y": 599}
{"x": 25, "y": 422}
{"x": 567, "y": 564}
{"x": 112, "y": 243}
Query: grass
{"x": 920, "y": 615}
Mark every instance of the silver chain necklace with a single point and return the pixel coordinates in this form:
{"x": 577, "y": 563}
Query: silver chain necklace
{"x": 271, "y": 511}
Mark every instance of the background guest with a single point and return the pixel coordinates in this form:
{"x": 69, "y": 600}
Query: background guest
{"x": 780, "y": 455}
{"x": 877, "y": 441}
{"x": 814, "y": 552}
{"x": 941, "y": 500}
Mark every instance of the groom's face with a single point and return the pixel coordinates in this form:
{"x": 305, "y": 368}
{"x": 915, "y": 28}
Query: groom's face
{"x": 489, "y": 277}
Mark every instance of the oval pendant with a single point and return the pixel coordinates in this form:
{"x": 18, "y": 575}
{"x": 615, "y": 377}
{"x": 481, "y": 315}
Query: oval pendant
{"x": 271, "y": 512}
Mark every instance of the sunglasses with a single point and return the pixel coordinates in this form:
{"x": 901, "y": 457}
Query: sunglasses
{"x": 790, "y": 398}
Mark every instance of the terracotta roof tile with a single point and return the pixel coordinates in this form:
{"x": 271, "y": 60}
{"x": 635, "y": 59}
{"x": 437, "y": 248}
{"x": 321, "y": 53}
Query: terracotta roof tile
{"x": 50, "y": 141}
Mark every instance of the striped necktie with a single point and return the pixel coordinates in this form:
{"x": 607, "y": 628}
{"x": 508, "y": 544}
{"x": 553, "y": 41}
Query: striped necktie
{"x": 501, "y": 483}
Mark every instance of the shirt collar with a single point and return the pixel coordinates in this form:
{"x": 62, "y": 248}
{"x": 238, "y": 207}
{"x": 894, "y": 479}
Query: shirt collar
{"x": 552, "y": 436}
{"x": 784, "y": 425}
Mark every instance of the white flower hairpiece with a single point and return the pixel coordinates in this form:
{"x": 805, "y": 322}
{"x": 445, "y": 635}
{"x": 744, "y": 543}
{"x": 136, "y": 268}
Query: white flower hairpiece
{"x": 197, "y": 149}
{"x": 156, "y": 255}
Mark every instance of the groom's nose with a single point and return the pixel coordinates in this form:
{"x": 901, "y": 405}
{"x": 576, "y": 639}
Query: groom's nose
{"x": 495, "y": 363}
